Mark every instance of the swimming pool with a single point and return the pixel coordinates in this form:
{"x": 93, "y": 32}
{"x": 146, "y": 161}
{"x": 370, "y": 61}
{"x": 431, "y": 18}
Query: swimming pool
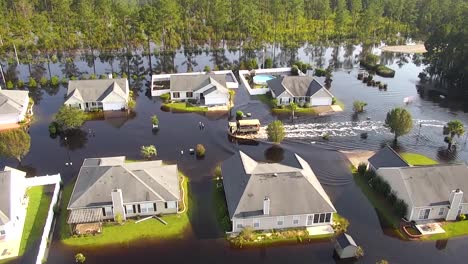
{"x": 262, "y": 79}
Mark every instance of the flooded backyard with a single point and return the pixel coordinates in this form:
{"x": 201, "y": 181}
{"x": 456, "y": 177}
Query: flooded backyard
{"x": 204, "y": 241}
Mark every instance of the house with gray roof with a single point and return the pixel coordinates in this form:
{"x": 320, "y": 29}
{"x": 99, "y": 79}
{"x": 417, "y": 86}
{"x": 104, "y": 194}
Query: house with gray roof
{"x": 431, "y": 192}
{"x": 13, "y": 106}
{"x": 12, "y": 203}
{"x": 385, "y": 158}
{"x": 110, "y": 187}
{"x": 104, "y": 94}
{"x": 267, "y": 196}
{"x": 204, "y": 89}
{"x": 300, "y": 90}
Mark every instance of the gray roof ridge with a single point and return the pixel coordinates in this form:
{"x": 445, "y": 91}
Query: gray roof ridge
{"x": 218, "y": 85}
{"x": 410, "y": 194}
{"x": 241, "y": 197}
{"x": 398, "y": 155}
{"x": 164, "y": 165}
{"x": 142, "y": 182}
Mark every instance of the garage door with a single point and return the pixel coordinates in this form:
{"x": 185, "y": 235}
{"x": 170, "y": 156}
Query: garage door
{"x": 112, "y": 106}
{"x": 216, "y": 100}
{"x": 321, "y": 101}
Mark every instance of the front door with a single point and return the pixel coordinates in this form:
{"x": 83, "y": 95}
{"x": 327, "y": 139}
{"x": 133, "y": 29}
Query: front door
{"x": 424, "y": 214}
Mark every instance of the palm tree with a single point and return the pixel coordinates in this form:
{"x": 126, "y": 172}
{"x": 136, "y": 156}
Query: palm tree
{"x": 293, "y": 107}
{"x": 148, "y": 152}
{"x": 452, "y": 129}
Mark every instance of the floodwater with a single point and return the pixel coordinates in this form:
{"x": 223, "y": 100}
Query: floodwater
{"x": 204, "y": 241}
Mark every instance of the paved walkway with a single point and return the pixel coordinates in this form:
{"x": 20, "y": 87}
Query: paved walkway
{"x": 320, "y": 230}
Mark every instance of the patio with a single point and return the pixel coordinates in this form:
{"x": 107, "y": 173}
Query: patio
{"x": 430, "y": 228}
{"x": 320, "y": 230}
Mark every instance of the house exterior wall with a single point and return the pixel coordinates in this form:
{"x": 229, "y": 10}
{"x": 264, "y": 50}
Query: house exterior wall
{"x": 14, "y": 118}
{"x": 434, "y": 212}
{"x": 271, "y": 222}
{"x": 216, "y": 98}
{"x": 114, "y": 106}
{"x": 347, "y": 252}
{"x": 18, "y": 213}
{"x": 183, "y": 96}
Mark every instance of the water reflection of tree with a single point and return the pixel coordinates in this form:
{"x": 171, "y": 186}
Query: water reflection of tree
{"x": 12, "y": 73}
{"x": 348, "y": 62}
{"x": 36, "y": 94}
{"x": 219, "y": 59}
{"x": 190, "y": 53}
{"x": 165, "y": 62}
{"x": 38, "y": 70}
{"x": 274, "y": 154}
{"x": 137, "y": 73}
{"x": 90, "y": 61}
{"x": 69, "y": 68}
{"x": 319, "y": 53}
{"x": 447, "y": 155}
{"x": 73, "y": 139}
{"x": 106, "y": 57}
{"x": 335, "y": 62}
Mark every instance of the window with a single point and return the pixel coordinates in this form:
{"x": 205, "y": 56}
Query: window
{"x": 280, "y": 220}
{"x": 295, "y": 220}
{"x": 322, "y": 218}
{"x": 309, "y": 219}
{"x": 441, "y": 211}
{"x": 424, "y": 213}
{"x": 129, "y": 209}
{"x": 107, "y": 211}
{"x": 256, "y": 223}
{"x": 147, "y": 207}
{"x": 189, "y": 94}
{"x": 239, "y": 224}
{"x": 327, "y": 217}
{"x": 2, "y": 232}
{"x": 176, "y": 95}
{"x": 171, "y": 204}
{"x": 316, "y": 218}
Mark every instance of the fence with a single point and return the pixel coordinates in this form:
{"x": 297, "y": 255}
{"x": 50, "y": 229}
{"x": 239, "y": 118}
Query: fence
{"x": 46, "y": 180}
{"x": 258, "y": 91}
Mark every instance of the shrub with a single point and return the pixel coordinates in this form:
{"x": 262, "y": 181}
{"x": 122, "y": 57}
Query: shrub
{"x": 247, "y": 234}
{"x": 401, "y": 208}
{"x": 362, "y": 167}
{"x": 80, "y": 258}
{"x": 32, "y": 83}
{"x": 358, "y": 106}
{"x": 218, "y": 172}
{"x": 43, "y": 81}
{"x": 53, "y": 128}
{"x": 192, "y": 101}
{"x": 207, "y": 68}
{"x": 384, "y": 71}
{"x": 268, "y": 63}
{"x": 73, "y": 78}
{"x": 326, "y": 136}
{"x": 124, "y": 75}
{"x": 462, "y": 217}
{"x": 370, "y": 174}
{"x": 165, "y": 97}
{"x": 20, "y": 84}
{"x": 275, "y": 131}
{"x": 200, "y": 150}
{"x": 216, "y": 68}
{"x": 148, "y": 152}
{"x": 54, "y": 81}
{"x": 9, "y": 85}
{"x": 64, "y": 81}
{"x": 92, "y": 77}
{"x": 301, "y": 104}
{"x": 333, "y": 101}
{"x": 392, "y": 198}
{"x": 239, "y": 115}
{"x": 102, "y": 76}
{"x": 294, "y": 70}
{"x": 319, "y": 72}
{"x": 69, "y": 117}
{"x": 155, "y": 120}
{"x": 251, "y": 64}
{"x": 119, "y": 218}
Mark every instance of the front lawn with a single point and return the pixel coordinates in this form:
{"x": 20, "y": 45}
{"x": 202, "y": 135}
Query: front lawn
{"x": 268, "y": 100}
{"x": 383, "y": 207}
{"x": 113, "y": 233}
{"x": 185, "y": 107}
{"x": 452, "y": 229}
{"x": 417, "y": 159}
{"x": 36, "y": 216}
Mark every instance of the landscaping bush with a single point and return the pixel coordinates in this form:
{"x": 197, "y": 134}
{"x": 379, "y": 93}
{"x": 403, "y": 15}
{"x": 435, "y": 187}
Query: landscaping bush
{"x": 268, "y": 63}
{"x": 155, "y": 120}
{"x": 102, "y": 76}
{"x": 165, "y": 97}
{"x": 369, "y": 61}
{"x": 92, "y": 77}
{"x": 119, "y": 218}
{"x": 307, "y": 105}
{"x": 73, "y": 78}
{"x": 302, "y": 66}
{"x": 207, "y": 68}
{"x": 392, "y": 198}
{"x": 20, "y": 84}
{"x": 326, "y": 136}
{"x": 319, "y": 72}
{"x": 200, "y": 150}
{"x": 400, "y": 208}
{"x": 43, "y": 81}
{"x": 9, "y": 85}
{"x": 192, "y": 101}
{"x": 64, "y": 81}
{"x": 239, "y": 115}
{"x": 333, "y": 101}
{"x": 381, "y": 186}
{"x": 53, "y": 128}
{"x": 384, "y": 71}
{"x": 361, "y": 169}
{"x": 32, "y": 83}
{"x": 294, "y": 70}
{"x": 462, "y": 217}
{"x": 54, "y": 81}
{"x": 301, "y": 104}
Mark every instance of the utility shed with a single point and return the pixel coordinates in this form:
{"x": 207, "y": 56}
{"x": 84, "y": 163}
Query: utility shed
{"x": 345, "y": 246}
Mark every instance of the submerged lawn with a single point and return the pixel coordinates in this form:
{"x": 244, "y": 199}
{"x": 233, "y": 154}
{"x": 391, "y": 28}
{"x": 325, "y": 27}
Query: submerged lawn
{"x": 113, "y": 233}
{"x": 418, "y": 159}
{"x": 452, "y": 229}
{"x": 185, "y": 107}
{"x": 36, "y": 215}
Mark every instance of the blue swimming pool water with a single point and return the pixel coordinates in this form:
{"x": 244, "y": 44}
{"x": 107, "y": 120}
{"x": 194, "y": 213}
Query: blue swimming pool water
{"x": 262, "y": 79}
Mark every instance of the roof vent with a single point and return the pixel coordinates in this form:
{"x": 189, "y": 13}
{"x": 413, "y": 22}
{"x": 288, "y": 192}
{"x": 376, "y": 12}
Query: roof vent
{"x": 275, "y": 174}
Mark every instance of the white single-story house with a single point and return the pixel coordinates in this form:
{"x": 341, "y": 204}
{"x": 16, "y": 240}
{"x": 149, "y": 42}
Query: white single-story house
{"x": 207, "y": 89}
{"x": 158, "y": 89}
{"x": 107, "y": 188}
{"x": 13, "y": 203}
{"x": 104, "y": 94}
{"x": 299, "y": 89}
{"x": 431, "y": 192}
{"x": 267, "y": 196}
{"x": 13, "y": 106}
{"x": 345, "y": 246}
{"x": 386, "y": 158}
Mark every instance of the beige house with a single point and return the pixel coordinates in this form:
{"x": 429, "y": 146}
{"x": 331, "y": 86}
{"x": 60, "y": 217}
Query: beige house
{"x": 13, "y": 106}
{"x": 299, "y": 89}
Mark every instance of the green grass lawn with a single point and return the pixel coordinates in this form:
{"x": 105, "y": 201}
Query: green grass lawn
{"x": 340, "y": 103}
{"x": 384, "y": 208}
{"x": 117, "y": 234}
{"x": 452, "y": 229}
{"x": 36, "y": 215}
{"x": 418, "y": 159}
{"x": 185, "y": 107}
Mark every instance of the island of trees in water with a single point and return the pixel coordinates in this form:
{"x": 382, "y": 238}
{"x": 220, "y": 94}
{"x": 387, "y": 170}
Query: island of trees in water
{"x": 50, "y": 26}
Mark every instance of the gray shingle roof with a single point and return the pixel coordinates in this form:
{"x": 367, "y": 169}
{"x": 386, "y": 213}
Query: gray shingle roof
{"x": 295, "y": 85}
{"x": 97, "y": 90}
{"x": 192, "y": 83}
{"x": 12, "y": 102}
{"x": 345, "y": 240}
{"x": 386, "y": 158}
{"x": 428, "y": 185}
{"x": 292, "y": 188}
{"x": 139, "y": 181}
